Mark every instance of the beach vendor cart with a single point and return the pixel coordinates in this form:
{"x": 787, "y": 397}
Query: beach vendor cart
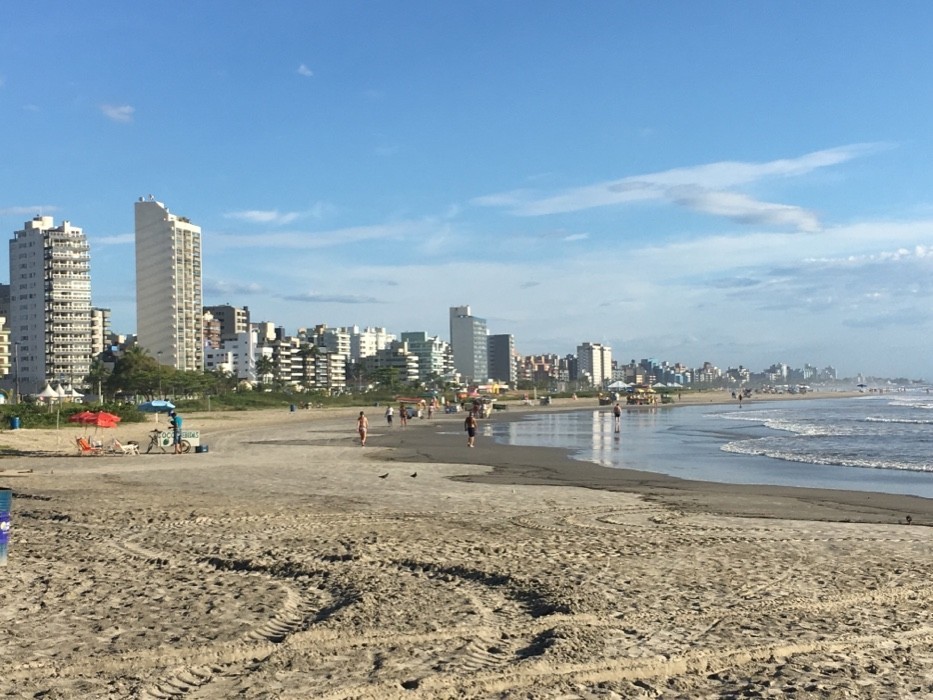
{"x": 162, "y": 440}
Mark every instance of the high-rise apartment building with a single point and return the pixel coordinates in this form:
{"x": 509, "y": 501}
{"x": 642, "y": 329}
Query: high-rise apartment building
{"x": 435, "y": 358}
{"x": 502, "y": 363}
{"x": 468, "y": 340}
{"x": 233, "y": 320}
{"x": 168, "y": 286}
{"x": 50, "y": 304}
{"x": 100, "y": 330}
{"x": 594, "y": 362}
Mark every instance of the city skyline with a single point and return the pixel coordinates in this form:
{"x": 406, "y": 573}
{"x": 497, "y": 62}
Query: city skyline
{"x": 739, "y": 184}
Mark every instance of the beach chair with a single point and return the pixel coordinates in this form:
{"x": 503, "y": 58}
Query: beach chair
{"x": 130, "y": 448}
{"x": 86, "y": 448}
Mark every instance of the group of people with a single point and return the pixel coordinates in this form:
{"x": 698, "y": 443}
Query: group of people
{"x": 402, "y": 415}
{"x": 362, "y": 424}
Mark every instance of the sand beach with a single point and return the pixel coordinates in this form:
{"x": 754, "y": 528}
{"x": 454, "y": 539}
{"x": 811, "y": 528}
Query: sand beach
{"x": 289, "y": 562}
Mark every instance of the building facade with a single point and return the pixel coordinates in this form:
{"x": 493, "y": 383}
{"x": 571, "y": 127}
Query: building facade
{"x": 50, "y": 304}
{"x": 435, "y": 357}
{"x": 168, "y": 286}
{"x": 468, "y": 341}
{"x": 233, "y": 320}
{"x": 502, "y": 362}
{"x": 594, "y": 364}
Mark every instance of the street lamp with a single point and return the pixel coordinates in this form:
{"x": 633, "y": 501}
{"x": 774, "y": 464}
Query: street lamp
{"x": 159, "y": 354}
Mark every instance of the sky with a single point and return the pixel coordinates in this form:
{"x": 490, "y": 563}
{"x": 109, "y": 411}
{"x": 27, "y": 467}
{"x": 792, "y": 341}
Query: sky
{"x": 732, "y": 182}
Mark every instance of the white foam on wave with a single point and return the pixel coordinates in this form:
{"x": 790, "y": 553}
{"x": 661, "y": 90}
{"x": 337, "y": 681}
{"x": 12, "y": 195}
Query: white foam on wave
{"x": 758, "y": 447}
{"x": 905, "y": 421}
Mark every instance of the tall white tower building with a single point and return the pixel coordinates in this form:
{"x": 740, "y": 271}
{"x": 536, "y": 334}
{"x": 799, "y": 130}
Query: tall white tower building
{"x": 50, "y": 304}
{"x": 595, "y": 362}
{"x": 468, "y": 341}
{"x": 168, "y": 286}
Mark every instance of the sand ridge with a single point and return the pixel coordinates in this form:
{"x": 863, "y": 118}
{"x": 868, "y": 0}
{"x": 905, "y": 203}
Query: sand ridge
{"x": 280, "y": 565}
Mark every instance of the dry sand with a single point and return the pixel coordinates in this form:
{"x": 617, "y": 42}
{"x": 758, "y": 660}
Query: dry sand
{"x": 280, "y": 565}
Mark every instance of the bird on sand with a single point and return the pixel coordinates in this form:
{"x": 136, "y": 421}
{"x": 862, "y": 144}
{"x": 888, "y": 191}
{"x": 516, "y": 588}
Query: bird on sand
{"x": 413, "y": 475}
{"x": 383, "y": 476}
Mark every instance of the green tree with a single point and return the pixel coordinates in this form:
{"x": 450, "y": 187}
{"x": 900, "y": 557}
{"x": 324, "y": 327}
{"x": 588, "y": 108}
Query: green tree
{"x": 136, "y": 372}
{"x": 265, "y": 370}
{"x": 98, "y": 378}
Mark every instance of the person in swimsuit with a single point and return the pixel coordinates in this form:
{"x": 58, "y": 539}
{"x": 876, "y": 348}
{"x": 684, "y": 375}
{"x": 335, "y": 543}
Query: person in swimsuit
{"x": 470, "y": 426}
{"x": 362, "y": 426}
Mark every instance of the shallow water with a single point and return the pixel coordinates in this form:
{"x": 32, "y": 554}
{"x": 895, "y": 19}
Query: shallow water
{"x": 878, "y": 443}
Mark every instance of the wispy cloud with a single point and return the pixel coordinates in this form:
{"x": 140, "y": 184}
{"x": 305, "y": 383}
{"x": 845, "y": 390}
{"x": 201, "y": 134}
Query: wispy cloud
{"x": 330, "y": 298}
{"x": 118, "y": 113}
{"x": 117, "y": 239}
{"x": 263, "y": 216}
{"x": 705, "y": 188}
{"x": 305, "y": 71}
{"x": 224, "y": 287}
{"x": 37, "y": 209}
{"x": 744, "y": 209}
{"x": 330, "y": 238}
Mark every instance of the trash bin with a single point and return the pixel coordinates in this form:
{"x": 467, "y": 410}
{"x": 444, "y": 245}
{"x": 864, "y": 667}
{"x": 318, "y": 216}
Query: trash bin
{"x": 14, "y": 423}
{"x": 291, "y": 407}
{"x": 6, "y": 505}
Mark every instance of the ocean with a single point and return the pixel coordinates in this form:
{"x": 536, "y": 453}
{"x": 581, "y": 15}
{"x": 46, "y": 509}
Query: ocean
{"x": 879, "y": 443}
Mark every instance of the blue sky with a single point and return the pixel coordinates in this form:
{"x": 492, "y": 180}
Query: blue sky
{"x": 734, "y": 182}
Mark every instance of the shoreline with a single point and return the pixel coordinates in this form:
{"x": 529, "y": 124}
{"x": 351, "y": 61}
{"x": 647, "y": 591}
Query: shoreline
{"x": 513, "y": 465}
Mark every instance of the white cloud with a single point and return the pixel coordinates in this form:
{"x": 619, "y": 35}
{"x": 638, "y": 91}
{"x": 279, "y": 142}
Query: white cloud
{"x": 260, "y": 216}
{"x": 330, "y": 238}
{"x": 35, "y": 210}
{"x": 744, "y": 209}
{"x": 305, "y": 71}
{"x": 315, "y": 297}
{"x": 702, "y": 188}
{"x": 224, "y": 287}
{"x": 118, "y": 239}
{"x": 118, "y": 113}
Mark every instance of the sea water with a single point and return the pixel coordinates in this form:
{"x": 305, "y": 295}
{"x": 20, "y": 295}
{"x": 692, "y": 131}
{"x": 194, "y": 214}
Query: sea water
{"x": 881, "y": 443}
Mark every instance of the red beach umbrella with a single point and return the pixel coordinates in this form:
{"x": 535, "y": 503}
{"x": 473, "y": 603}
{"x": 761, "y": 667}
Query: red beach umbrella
{"x": 105, "y": 420}
{"x": 84, "y": 417}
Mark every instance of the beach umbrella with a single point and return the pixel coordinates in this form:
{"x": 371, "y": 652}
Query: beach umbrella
{"x": 156, "y": 406}
{"x": 84, "y": 417}
{"x": 105, "y": 420}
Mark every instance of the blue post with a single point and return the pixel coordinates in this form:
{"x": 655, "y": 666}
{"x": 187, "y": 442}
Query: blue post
{"x": 6, "y": 505}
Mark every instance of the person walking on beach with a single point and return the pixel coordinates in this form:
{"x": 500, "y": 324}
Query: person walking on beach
{"x": 175, "y": 421}
{"x": 389, "y": 415}
{"x": 362, "y": 427}
{"x": 470, "y": 426}
{"x": 617, "y": 416}
{"x": 402, "y": 415}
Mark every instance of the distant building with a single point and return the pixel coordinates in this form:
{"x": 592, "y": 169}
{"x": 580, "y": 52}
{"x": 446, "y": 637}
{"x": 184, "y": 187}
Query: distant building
{"x": 100, "y": 330}
{"x": 168, "y": 286}
{"x": 501, "y": 353}
{"x": 594, "y": 364}
{"x": 210, "y": 333}
{"x": 396, "y": 357}
{"x": 50, "y": 304}
{"x": 468, "y": 340}
{"x": 233, "y": 320}
{"x": 367, "y": 341}
{"x": 435, "y": 356}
